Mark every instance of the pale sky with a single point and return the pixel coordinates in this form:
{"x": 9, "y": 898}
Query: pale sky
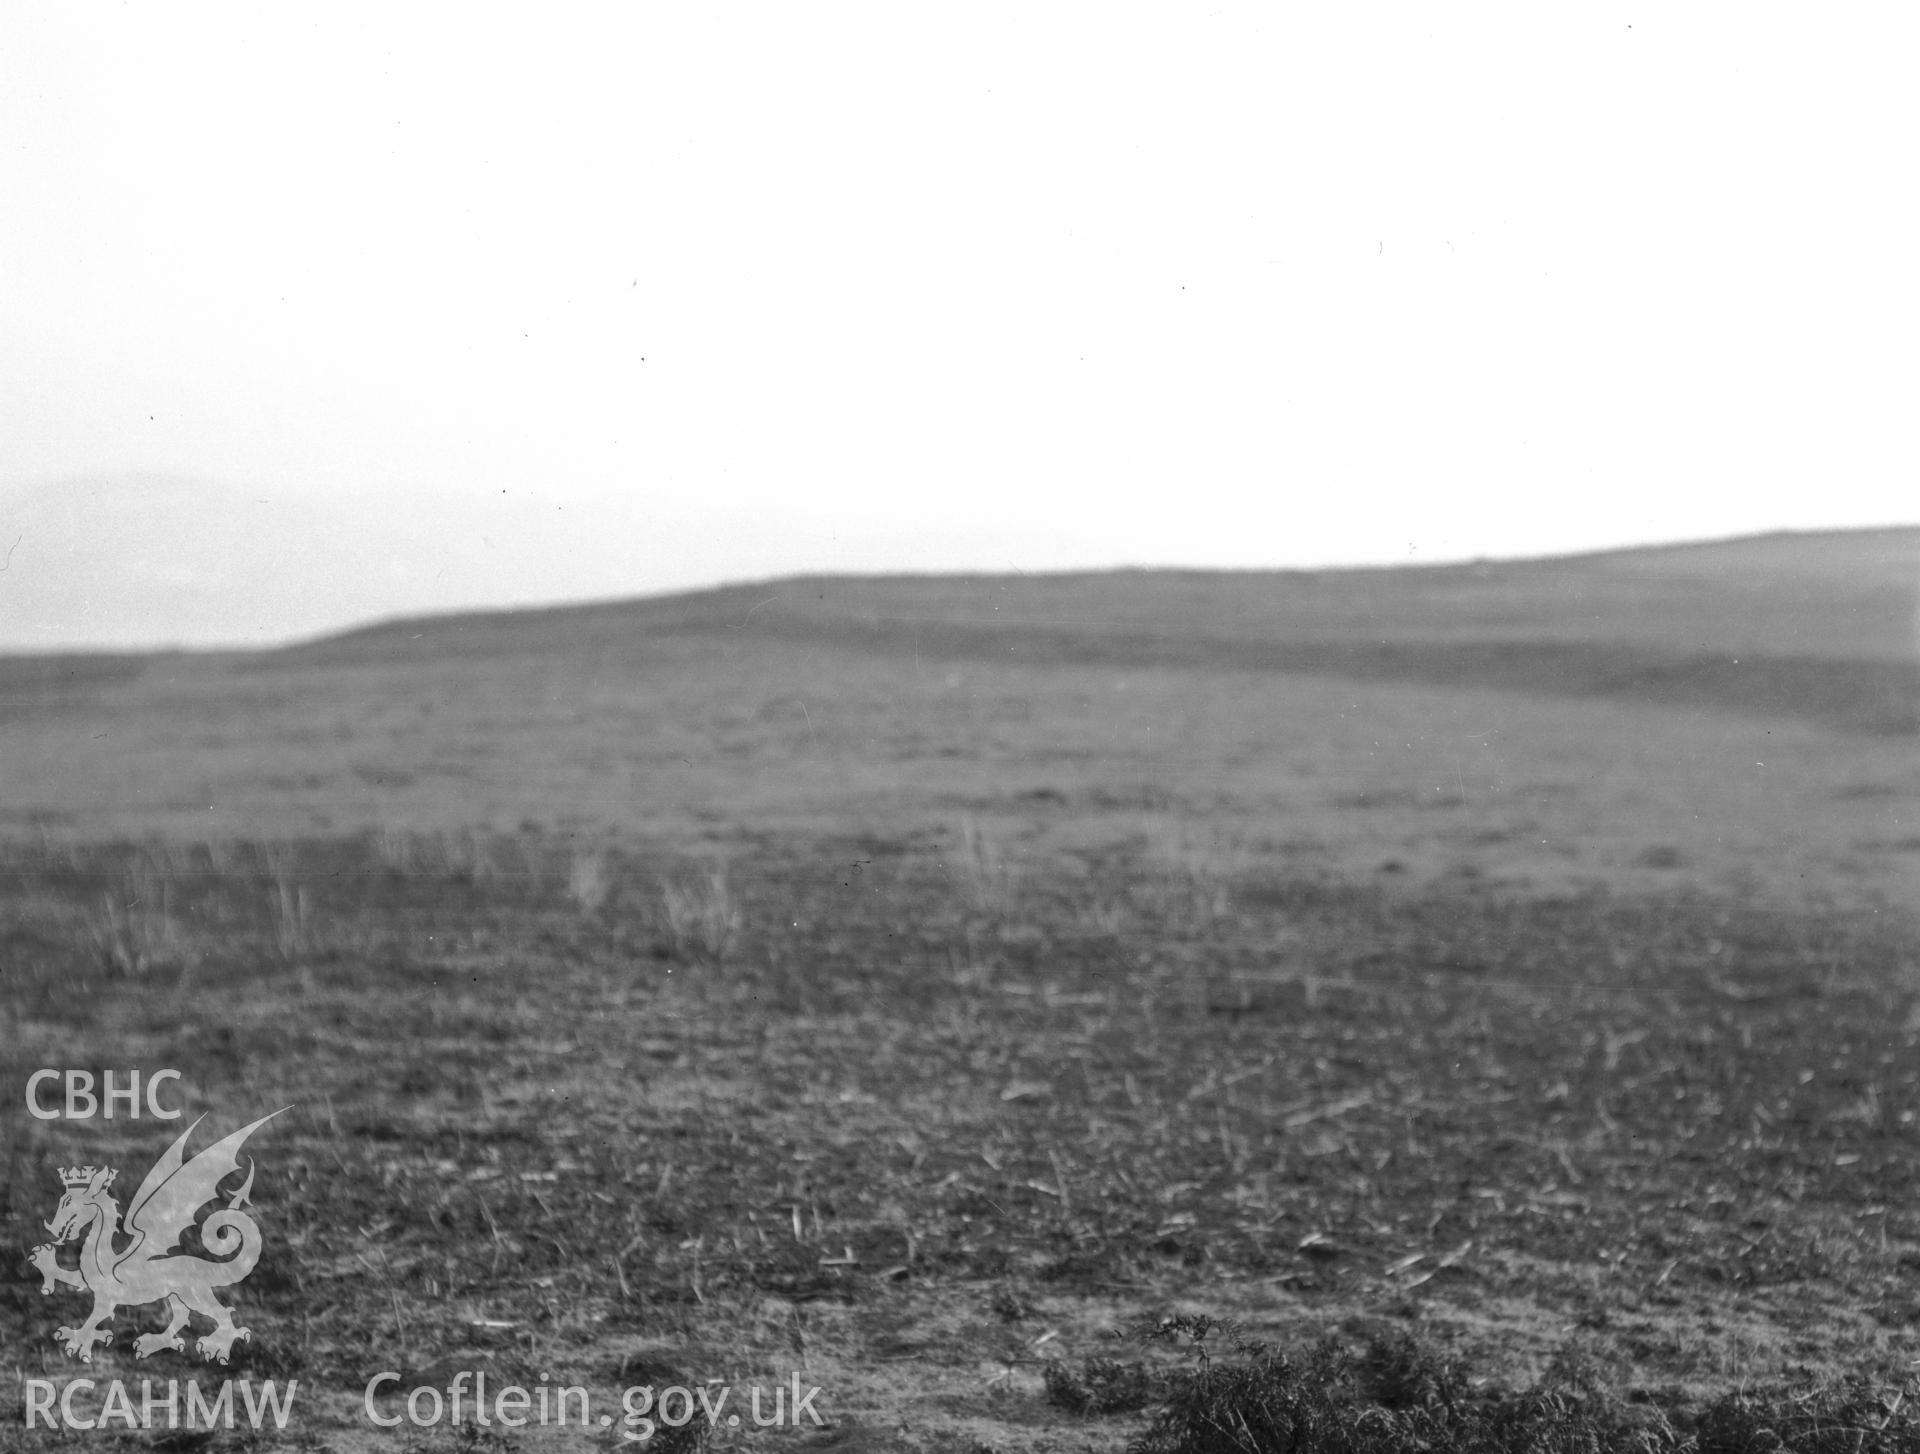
{"x": 313, "y": 314}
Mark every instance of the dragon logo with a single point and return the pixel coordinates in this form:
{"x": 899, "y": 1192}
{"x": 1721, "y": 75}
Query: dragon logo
{"x": 153, "y": 1264}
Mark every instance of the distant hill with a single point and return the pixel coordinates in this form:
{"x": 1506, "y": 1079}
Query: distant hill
{"x": 1742, "y": 709}
{"x": 1818, "y": 627}
{"x": 1824, "y": 627}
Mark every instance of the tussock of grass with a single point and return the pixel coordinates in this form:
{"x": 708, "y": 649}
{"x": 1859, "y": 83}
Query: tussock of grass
{"x": 589, "y": 880}
{"x": 985, "y": 877}
{"x": 702, "y": 919}
{"x": 1010, "y": 1304}
{"x": 1103, "y": 1386}
{"x": 1398, "y": 1396}
{"x": 468, "y": 856}
{"x": 133, "y": 928}
{"x": 291, "y": 911}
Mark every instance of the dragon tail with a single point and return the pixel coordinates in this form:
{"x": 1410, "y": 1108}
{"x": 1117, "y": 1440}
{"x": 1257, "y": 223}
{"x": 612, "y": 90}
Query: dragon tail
{"x": 234, "y": 1238}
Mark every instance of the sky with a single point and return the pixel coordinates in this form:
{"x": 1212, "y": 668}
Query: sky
{"x": 316, "y": 315}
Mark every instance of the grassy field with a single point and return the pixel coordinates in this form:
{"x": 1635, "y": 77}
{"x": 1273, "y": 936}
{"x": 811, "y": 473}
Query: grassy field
{"x": 1496, "y": 989}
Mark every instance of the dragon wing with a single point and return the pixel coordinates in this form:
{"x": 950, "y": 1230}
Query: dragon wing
{"x": 176, "y": 1188}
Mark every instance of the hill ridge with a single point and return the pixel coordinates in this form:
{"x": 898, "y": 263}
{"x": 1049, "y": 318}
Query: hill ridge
{"x": 1906, "y": 537}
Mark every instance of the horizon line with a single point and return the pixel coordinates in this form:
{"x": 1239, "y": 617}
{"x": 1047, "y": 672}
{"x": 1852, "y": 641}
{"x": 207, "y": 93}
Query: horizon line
{"x": 593, "y": 603}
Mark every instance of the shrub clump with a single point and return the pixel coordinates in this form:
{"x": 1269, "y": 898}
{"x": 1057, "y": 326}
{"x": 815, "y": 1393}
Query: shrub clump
{"x": 1395, "y": 1396}
{"x": 1104, "y": 1386}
